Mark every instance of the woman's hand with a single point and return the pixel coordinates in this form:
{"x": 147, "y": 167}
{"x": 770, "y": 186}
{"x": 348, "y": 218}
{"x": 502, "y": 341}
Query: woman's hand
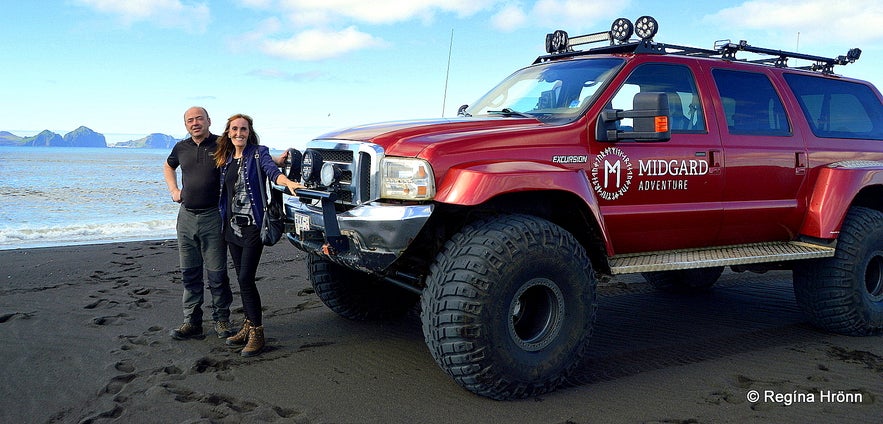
{"x": 292, "y": 186}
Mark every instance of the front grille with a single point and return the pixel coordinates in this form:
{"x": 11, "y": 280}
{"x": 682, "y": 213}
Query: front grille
{"x": 365, "y": 176}
{"x": 336, "y": 156}
{"x": 357, "y": 162}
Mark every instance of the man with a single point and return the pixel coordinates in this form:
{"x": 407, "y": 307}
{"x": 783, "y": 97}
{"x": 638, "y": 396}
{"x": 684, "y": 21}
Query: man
{"x": 200, "y": 243}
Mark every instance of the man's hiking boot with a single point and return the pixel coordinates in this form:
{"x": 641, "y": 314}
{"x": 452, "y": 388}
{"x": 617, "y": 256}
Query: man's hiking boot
{"x": 187, "y": 331}
{"x": 224, "y": 329}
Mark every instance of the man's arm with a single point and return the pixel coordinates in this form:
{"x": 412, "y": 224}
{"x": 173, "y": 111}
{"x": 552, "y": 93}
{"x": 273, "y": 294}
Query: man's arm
{"x": 172, "y": 182}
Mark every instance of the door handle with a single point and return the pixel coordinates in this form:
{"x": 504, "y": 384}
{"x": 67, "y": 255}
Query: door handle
{"x": 800, "y": 163}
{"x": 714, "y": 162}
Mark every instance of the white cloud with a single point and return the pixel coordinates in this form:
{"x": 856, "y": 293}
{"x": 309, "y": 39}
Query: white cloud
{"x": 165, "y": 13}
{"x": 509, "y": 18}
{"x": 575, "y": 15}
{"x": 815, "y": 20}
{"x": 318, "y": 44}
{"x": 382, "y": 11}
{"x": 276, "y": 74}
{"x": 312, "y": 39}
{"x": 312, "y": 20}
{"x": 259, "y": 4}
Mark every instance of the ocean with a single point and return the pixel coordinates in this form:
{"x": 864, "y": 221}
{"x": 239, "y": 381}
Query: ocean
{"x": 59, "y": 196}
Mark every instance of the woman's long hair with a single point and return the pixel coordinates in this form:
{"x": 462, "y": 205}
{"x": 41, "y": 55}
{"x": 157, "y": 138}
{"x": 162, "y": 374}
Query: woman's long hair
{"x": 225, "y": 145}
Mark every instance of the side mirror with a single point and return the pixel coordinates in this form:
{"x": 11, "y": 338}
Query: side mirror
{"x": 649, "y": 113}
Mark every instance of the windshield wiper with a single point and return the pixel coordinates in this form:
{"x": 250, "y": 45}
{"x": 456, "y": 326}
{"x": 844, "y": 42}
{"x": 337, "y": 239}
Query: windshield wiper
{"x": 509, "y": 112}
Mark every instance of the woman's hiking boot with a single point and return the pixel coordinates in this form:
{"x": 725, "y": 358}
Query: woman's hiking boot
{"x": 241, "y": 337}
{"x": 255, "y": 342}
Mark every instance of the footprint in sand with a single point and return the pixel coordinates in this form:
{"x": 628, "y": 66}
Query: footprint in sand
{"x": 111, "y": 320}
{"x": 124, "y": 366}
{"x": 118, "y": 383}
{"x": 220, "y": 407}
{"x": 107, "y": 303}
{"x": 4, "y": 318}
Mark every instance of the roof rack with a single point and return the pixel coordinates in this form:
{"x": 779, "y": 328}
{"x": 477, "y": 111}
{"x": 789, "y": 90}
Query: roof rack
{"x": 780, "y": 58}
{"x": 560, "y": 45}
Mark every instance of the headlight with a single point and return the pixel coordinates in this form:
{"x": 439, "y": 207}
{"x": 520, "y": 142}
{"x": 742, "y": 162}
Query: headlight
{"x": 406, "y": 179}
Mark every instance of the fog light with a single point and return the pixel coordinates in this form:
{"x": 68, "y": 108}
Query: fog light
{"x": 330, "y": 174}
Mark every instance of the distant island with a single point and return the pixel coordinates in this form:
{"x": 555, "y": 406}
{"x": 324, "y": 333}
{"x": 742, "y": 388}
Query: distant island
{"x": 85, "y": 137}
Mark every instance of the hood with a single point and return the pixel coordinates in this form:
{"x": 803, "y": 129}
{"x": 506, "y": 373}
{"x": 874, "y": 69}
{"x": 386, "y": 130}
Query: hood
{"x": 409, "y": 138}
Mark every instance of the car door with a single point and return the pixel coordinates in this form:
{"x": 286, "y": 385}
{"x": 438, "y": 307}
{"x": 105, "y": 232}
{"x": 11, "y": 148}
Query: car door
{"x": 661, "y": 195}
{"x": 765, "y": 160}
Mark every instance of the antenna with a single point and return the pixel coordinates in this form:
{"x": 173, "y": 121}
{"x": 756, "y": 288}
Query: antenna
{"x": 447, "y": 73}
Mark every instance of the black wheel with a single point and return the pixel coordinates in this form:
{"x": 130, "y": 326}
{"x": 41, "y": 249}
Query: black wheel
{"x": 684, "y": 280}
{"x": 356, "y": 295}
{"x": 509, "y": 306}
{"x": 844, "y": 293}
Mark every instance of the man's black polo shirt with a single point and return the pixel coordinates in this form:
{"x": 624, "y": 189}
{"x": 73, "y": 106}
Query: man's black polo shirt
{"x": 200, "y": 178}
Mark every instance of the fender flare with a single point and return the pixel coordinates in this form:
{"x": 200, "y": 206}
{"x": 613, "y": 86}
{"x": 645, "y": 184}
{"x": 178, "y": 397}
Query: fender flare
{"x": 474, "y": 184}
{"x": 835, "y": 189}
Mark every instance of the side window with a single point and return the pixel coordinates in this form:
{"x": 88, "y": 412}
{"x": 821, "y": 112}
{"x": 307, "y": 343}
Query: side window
{"x": 675, "y": 80}
{"x": 838, "y": 109}
{"x": 750, "y": 103}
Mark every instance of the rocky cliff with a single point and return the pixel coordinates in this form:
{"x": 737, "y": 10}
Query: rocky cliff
{"x": 84, "y": 137}
{"x": 152, "y": 141}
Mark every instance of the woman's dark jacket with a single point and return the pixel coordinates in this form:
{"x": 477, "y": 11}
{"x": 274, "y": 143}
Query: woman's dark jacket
{"x": 251, "y": 180}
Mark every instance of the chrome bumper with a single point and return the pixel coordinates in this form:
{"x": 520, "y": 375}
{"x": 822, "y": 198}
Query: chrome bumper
{"x": 368, "y": 237}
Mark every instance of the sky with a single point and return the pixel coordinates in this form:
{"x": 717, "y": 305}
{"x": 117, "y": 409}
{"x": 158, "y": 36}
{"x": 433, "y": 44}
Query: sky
{"x": 301, "y": 68}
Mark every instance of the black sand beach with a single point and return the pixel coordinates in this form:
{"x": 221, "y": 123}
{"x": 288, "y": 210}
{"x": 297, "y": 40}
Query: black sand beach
{"x": 85, "y": 332}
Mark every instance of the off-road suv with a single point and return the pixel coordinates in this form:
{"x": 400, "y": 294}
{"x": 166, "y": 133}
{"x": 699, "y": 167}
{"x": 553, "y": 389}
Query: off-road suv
{"x": 631, "y": 157}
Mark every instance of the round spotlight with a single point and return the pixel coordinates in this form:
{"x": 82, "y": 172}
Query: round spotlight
{"x": 646, "y": 27}
{"x": 293, "y": 165}
{"x": 622, "y": 29}
{"x": 557, "y": 42}
{"x": 311, "y": 166}
{"x": 330, "y": 174}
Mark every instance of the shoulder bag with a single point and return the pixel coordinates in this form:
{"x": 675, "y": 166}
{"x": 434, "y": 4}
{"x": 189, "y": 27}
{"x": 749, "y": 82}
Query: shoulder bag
{"x": 273, "y": 224}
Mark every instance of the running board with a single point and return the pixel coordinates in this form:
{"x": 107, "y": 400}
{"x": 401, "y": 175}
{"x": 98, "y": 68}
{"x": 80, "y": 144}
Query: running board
{"x": 742, "y": 254}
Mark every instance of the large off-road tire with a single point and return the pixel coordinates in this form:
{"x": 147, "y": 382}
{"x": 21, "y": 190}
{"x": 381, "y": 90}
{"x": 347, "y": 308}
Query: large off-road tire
{"x": 844, "y": 293}
{"x": 356, "y": 295}
{"x": 509, "y": 306}
{"x": 684, "y": 280}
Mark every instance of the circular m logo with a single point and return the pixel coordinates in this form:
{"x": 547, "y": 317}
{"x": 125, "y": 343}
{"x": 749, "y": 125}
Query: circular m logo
{"x": 611, "y": 173}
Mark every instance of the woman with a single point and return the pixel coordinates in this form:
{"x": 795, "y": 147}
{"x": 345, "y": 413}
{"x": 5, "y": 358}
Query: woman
{"x": 239, "y": 156}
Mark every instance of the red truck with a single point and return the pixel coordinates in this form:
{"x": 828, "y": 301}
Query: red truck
{"x": 633, "y": 156}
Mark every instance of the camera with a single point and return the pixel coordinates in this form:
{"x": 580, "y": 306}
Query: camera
{"x": 240, "y": 220}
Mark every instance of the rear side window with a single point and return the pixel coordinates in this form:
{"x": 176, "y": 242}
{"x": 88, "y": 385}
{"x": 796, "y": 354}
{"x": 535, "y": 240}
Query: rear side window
{"x": 838, "y": 109}
{"x": 751, "y": 104}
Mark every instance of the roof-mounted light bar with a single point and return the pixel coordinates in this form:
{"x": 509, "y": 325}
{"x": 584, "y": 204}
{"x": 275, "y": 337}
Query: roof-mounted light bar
{"x": 620, "y": 32}
{"x": 559, "y": 45}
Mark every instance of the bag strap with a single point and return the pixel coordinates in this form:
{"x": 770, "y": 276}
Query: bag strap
{"x": 263, "y": 184}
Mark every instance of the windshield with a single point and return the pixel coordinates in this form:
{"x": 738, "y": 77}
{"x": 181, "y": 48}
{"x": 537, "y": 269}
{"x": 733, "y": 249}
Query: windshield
{"x": 552, "y": 91}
